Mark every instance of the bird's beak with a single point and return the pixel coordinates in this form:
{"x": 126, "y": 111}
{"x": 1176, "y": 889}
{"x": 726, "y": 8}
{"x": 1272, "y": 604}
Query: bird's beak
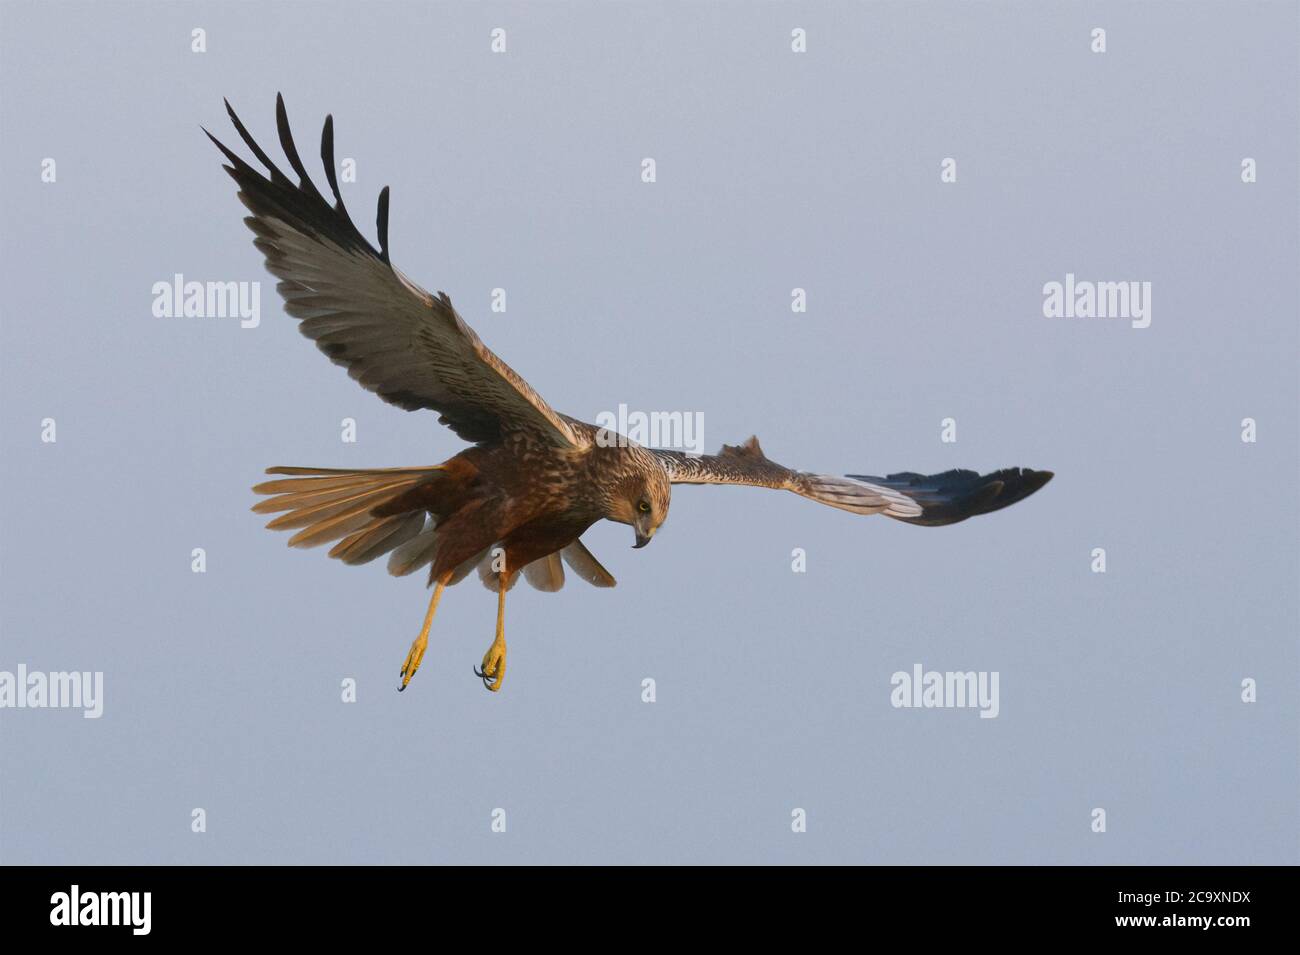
{"x": 643, "y": 533}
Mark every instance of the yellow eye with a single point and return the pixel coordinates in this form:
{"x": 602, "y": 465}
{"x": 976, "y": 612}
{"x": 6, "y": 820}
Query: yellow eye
{"x": 644, "y": 507}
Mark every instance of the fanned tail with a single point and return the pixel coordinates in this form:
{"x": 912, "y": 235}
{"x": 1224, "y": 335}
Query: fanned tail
{"x": 334, "y": 504}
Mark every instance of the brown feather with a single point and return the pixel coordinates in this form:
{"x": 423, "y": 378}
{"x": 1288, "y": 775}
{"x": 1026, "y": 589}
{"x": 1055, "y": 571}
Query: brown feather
{"x": 314, "y": 513}
{"x": 378, "y": 539}
{"x": 583, "y": 563}
{"x": 350, "y": 472}
{"x": 464, "y": 570}
{"x": 414, "y": 553}
{"x": 308, "y": 498}
{"x": 340, "y": 481}
{"x": 546, "y": 574}
{"x": 333, "y": 528}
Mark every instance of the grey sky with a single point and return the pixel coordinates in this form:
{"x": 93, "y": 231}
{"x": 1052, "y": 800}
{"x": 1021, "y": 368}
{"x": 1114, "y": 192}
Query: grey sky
{"x": 775, "y": 170}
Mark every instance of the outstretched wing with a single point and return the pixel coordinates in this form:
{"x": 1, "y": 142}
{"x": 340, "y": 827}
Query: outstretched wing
{"x": 956, "y": 495}
{"x": 913, "y": 498}
{"x": 747, "y": 464}
{"x": 407, "y": 346}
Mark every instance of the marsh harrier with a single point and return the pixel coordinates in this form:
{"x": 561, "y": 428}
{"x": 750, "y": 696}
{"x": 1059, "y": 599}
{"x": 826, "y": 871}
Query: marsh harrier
{"x": 534, "y": 480}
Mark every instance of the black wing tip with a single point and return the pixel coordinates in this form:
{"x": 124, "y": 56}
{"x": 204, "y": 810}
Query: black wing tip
{"x": 225, "y": 151}
{"x": 381, "y": 224}
{"x": 291, "y": 149}
{"x": 1025, "y": 481}
{"x": 956, "y": 495}
{"x": 327, "y": 160}
{"x": 1037, "y": 478}
{"x": 327, "y": 144}
{"x": 990, "y": 493}
{"x": 275, "y": 193}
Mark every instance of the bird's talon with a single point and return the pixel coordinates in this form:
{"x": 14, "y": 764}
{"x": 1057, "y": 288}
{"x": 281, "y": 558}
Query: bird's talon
{"x": 413, "y": 659}
{"x": 493, "y": 669}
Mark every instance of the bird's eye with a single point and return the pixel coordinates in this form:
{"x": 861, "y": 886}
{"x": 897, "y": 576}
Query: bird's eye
{"x": 644, "y": 507}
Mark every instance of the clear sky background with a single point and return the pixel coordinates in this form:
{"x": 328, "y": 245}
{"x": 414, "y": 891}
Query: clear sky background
{"x": 775, "y": 170}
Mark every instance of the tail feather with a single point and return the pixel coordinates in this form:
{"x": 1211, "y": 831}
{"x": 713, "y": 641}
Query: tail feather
{"x": 292, "y": 499}
{"x": 353, "y": 473}
{"x": 332, "y": 503}
{"x": 325, "y": 479}
{"x": 377, "y": 539}
{"x": 332, "y": 528}
{"x": 380, "y": 511}
{"x": 308, "y": 514}
{"x": 415, "y": 553}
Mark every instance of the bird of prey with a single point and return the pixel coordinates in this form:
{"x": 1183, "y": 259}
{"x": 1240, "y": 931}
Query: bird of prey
{"x": 534, "y": 480}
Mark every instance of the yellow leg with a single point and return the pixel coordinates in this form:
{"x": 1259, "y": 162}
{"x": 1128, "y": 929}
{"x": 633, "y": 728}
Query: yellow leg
{"x": 421, "y": 643}
{"x": 493, "y": 671}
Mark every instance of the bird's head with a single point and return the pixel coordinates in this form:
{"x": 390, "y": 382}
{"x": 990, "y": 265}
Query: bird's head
{"x": 641, "y": 496}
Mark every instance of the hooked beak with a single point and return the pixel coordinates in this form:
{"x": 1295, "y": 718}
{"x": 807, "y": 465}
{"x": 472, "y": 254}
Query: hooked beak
{"x": 643, "y": 534}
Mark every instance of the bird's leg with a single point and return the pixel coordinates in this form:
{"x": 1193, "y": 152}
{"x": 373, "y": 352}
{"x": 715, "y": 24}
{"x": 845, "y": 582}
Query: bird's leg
{"x": 421, "y": 643}
{"x": 493, "y": 671}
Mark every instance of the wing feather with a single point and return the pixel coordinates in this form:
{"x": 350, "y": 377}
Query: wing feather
{"x": 746, "y": 464}
{"x": 584, "y": 563}
{"x": 929, "y": 500}
{"x": 956, "y": 495}
{"x": 409, "y": 347}
{"x": 546, "y": 573}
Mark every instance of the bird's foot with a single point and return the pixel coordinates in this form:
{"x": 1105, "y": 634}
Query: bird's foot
{"x": 413, "y": 659}
{"x": 493, "y": 671}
